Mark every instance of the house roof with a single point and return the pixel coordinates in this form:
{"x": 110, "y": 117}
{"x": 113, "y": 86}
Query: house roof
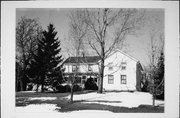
{"x": 118, "y": 50}
{"x": 81, "y": 73}
{"x": 94, "y": 59}
{"x": 85, "y": 59}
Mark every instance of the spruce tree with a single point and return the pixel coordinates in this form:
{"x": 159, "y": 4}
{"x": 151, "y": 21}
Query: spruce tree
{"x": 159, "y": 77}
{"x": 47, "y": 63}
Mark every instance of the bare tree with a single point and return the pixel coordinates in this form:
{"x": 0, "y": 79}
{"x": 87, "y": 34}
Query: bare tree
{"x": 153, "y": 57}
{"x": 107, "y": 29}
{"x": 155, "y": 49}
{"x": 27, "y": 32}
{"x": 78, "y": 29}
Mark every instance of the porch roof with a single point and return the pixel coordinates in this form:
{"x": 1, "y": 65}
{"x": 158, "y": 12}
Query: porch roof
{"x": 85, "y": 59}
{"x": 88, "y": 74}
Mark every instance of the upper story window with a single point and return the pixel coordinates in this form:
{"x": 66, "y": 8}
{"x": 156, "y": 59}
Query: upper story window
{"x": 89, "y": 67}
{"x": 84, "y": 77}
{"x": 123, "y": 62}
{"x": 74, "y": 67}
{"x": 110, "y": 66}
{"x": 123, "y": 65}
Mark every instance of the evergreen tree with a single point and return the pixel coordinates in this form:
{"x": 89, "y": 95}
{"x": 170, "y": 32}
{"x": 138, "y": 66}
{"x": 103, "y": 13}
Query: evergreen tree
{"x": 36, "y": 67}
{"x": 47, "y": 64}
{"x": 159, "y": 77}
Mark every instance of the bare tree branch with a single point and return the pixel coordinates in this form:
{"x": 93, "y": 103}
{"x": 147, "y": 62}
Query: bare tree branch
{"x": 101, "y": 22}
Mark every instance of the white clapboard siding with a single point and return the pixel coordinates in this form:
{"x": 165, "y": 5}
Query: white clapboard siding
{"x": 115, "y": 60}
{"x": 83, "y": 68}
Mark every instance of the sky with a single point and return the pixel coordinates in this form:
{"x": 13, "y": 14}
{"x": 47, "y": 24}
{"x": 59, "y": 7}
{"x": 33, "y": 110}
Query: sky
{"x": 138, "y": 44}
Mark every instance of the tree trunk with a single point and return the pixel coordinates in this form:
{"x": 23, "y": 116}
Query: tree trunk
{"x": 42, "y": 87}
{"x": 153, "y": 89}
{"x": 37, "y": 87}
{"x": 100, "y": 88}
{"x": 72, "y": 86}
{"x": 42, "y": 84}
{"x": 153, "y": 100}
{"x": 23, "y": 83}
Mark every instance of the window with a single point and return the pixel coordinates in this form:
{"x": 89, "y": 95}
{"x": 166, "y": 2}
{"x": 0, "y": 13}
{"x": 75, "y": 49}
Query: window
{"x": 89, "y": 67}
{"x": 123, "y": 63}
{"x": 123, "y": 79}
{"x": 123, "y": 67}
{"x": 110, "y": 66}
{"x": 84, "y": 77}
{"x": 77, "y": 79}
{"x": 110, "y": 79}
{"x": 74, "y": 68}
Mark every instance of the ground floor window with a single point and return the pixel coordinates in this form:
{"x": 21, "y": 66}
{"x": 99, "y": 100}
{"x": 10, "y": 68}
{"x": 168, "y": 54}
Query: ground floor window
{"x": 73, "y": 68}
{"x": 123, "y": 79}
{"x": 110, "y": 79}
{"x": 83, "y": 79}
{"x": 77, "y": 79}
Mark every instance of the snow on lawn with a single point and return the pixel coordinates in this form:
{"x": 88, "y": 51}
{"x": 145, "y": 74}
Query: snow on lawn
{"x": 42, "y": 98}
{"x": 91, "y": 111}
{"x": 37, "y": 108}
{"x": 121, "y": 99}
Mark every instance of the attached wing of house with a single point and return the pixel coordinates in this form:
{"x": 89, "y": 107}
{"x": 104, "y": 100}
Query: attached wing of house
{"x": 84, "y": 67}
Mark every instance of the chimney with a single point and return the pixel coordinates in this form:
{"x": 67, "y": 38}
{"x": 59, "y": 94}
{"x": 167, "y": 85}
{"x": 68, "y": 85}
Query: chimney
{"x": 81, "y": 53}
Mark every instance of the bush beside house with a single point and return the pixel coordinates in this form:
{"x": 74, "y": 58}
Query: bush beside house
{"x": 67, "y": 88}
{"x": 90, "y": 84}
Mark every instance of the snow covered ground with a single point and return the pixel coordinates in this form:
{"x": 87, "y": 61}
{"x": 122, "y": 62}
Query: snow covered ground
{"x": 42, "y": 98}
{"x": 120, "y": 99}
{"x": 37, "y": 108}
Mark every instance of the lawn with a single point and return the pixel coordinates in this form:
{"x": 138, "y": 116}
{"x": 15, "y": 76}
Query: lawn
{"x": 114, "y": 102}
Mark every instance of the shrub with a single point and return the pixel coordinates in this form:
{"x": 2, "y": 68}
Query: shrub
{"x": 145, "y": 87}
{"x": 67, "y": 88}
{"x": 77, "y": 88}
{"x": 29, "y": 87}
{"x": 160, "y": 96}
{"x": 148, "y": 87}
{"x": 60, "y": 88}
{"x": 90, "y": 84}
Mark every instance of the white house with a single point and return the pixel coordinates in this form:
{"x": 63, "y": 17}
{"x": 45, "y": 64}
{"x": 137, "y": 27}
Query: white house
{"x": 84, "y": 67}
{"x": 121, "y": 73}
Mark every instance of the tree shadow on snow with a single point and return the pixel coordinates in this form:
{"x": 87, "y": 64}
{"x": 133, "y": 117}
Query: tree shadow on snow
{"x": 76, "y": 106}
{"x": 105, "y": 101}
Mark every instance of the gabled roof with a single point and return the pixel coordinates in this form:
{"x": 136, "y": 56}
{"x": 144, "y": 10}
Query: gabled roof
{"x": 94, "y": 59}
{"x": 85, "y": 59}
{"x": 118, "y": 50}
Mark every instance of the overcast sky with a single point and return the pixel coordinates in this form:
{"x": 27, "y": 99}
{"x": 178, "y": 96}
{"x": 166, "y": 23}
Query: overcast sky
{"x": 137, "y": 45}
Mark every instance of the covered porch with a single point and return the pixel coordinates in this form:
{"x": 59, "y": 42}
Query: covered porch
{"x": 80, "y": 78}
